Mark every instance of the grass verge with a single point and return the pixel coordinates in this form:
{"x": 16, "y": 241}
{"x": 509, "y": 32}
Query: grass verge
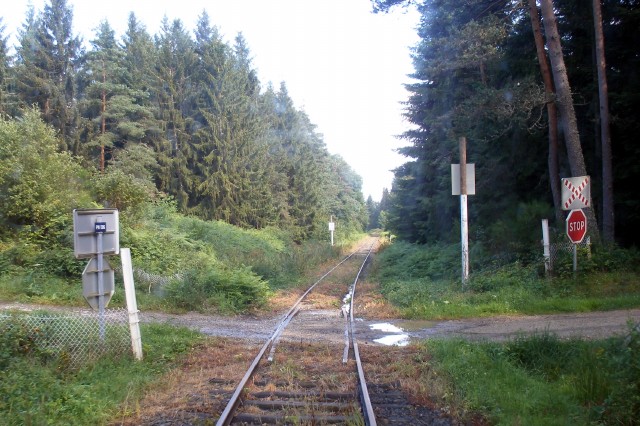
{"x": 420, "y": 281}
{"x": 37, "y": 391}
{"x": 542, "y": 380}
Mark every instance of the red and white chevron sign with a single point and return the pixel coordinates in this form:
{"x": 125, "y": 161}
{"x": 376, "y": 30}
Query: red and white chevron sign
{"x": 576, "y": 193}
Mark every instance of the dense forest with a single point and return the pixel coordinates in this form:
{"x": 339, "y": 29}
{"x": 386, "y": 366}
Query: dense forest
{"x": 479, "y": 74}
{"x": 179, "y": 114}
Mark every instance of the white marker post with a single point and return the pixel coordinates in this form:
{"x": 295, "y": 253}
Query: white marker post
{"x": 132, "y": 305}
{"x": 546, "y": 246}
{"x": 464, "y": 219}
{"x": 332, "y": 227}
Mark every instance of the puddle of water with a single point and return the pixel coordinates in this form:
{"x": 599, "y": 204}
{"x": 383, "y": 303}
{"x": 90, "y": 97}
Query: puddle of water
{"x": 346, "y": 301}
{"x": 400, "y": 338}
{"x": 394, "y": 340}
{"x": 386, "y": 327}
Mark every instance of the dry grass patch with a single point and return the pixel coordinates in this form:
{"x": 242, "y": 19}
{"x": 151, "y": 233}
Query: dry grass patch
{"x": 193, "y": 388}
{"x": 299, "y": 366}
{"x": 283, "y": 300}
{"x": 407, "y": 367}
{"x": 371, "y": 304}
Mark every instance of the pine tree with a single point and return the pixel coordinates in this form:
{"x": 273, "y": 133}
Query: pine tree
{"x": 172, "y": 86}
{"x": 47, "y": 58}
{"x": 5, "y": 77}
{"x": 109, "y": 104}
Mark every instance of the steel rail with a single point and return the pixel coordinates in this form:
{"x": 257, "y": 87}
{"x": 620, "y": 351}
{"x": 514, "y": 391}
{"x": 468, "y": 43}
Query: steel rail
{"x": 226, "y": 416}
{"x": 365, "y": 400}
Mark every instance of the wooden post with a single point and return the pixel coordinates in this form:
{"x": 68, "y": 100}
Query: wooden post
{"x": 132, "y": 304}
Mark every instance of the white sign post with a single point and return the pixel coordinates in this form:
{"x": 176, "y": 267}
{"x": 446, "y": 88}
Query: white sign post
{"x": 463, "y": 183}
{"x": 546, "y": 246}
{"x": 332, "y": 227}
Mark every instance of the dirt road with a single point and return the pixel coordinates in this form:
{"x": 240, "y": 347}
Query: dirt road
{"x": 371, "y": 330}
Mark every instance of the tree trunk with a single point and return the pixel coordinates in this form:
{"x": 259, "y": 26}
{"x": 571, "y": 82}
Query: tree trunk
{"x": 565, "y": 104}
{"x": 103, "y": 128}
{"x": 552, "y": 111}
{"x": 608, "y": 233}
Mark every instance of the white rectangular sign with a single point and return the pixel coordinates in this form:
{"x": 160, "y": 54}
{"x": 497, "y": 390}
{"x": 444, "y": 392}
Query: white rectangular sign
{"x": 471, "y": 179}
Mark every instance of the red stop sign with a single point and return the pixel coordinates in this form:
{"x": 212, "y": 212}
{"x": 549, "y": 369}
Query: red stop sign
{"x": 576, "y": 226}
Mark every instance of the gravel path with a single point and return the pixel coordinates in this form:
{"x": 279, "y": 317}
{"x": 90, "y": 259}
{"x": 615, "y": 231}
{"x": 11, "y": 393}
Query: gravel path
{"x": 594, "y": 325}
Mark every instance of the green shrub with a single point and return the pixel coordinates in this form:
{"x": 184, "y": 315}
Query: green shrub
{"x": 122, "y": 191}
{"x": 39, "y": 186}
{"x": 516, "y": 236}
{"x": 496, "y": 278}
{"x": 543, "y": 379}
{"x": 402, "y": 260}
{"x": 17, "y": 339}
{"x": 622, "y": 405}
{"x": 62, "y": 263}
{"x": 218, "y": 288}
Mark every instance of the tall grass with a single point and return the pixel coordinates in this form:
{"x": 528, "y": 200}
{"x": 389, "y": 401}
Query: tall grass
{"x": 37, "y": 391}
{"x": 424, "y": 282}
{"x": 542, "y": 380}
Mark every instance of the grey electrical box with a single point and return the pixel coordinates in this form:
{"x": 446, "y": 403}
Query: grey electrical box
{"x": 87, "y": 223}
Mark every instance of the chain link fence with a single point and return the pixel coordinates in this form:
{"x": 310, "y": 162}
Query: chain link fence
{"x": 73, "y": 339}
{"x": 564, "y": 249}
{"x": 154, "y": 283}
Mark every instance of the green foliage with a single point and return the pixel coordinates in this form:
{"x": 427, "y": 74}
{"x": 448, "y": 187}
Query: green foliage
{"x": 17, "y": 339}
{"x": 121, "y": 191}
{"x": 219, "y": 289}
{"x": 483, "y": 380}
{"x": 600, "y": 259}
{"x": 39, "y": 392}
{"x": 39, "y": 186}
{"x": 406, "y": 261}
{"x": 61, "y": 263}
{"x": 545, "y": 380}
{"x": 622, "y": 404}
{"x": 31, "y": 285}
{"x": 475, "y": 78}
{"x": 214, "y": 265}
{"x": 516, "y": 234}
{"x": 423, "y": 281}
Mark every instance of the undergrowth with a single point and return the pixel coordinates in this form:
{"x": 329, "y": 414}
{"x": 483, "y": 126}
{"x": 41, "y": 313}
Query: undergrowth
{"x": 182, "y": 263}
{"x": 37, "y": 389}
{"x": 542, "y": 380}
{"x": 424, "y": 282}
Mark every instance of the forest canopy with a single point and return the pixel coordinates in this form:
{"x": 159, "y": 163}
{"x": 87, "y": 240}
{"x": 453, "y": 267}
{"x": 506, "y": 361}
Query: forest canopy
{"x": 477, "y": 74}
{"x": 180, "y": 113}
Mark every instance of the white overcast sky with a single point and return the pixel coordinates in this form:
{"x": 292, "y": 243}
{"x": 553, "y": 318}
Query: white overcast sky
{"x": 342, "y": 64}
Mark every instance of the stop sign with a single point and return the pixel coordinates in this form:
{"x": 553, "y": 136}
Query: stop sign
{"x": 576, "y": 226}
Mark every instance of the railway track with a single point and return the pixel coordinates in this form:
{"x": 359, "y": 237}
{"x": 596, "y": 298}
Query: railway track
{"x": 295, "y": 379}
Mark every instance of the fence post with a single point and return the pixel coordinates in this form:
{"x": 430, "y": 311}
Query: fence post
{"x": 548, "y": 267}
{"x": 132, "y": 305}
